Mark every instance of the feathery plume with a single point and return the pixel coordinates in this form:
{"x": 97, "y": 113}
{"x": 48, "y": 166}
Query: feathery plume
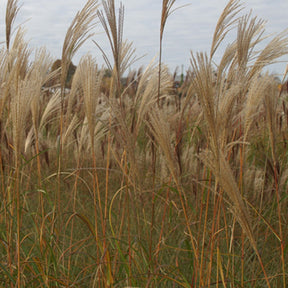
{"x": 12, "y": 10}
{"x": 225, "y": 23}
{"x": 122, "y": 51}
{"x": 78, "y": 33}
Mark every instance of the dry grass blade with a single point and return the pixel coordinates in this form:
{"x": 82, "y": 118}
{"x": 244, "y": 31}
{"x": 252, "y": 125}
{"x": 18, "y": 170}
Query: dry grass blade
{"x": 270, "y": 102}
{"x": 225, "y": 24}
{"x": 20, "y": 106}
{"x": 275, "y": 49}
{"x": 43, "y": 61}
{"x": 113, "y": 30}
{"x": 225, "y": 178}
{"x": 75, "y": 99}
{"x": 227, "y": 113}
{"x": 160, "y": 129}
{"x": 203, "y": 85}
{"x": 166, "y": 11}
{"x": 257, "y": 91}
{"x": 126, "y": 126}
{"x": 217, "y": 107}
{"x": 91, "y": 79}
{"x": 122, "y": 51}
{"x": 51, "y": 110}
{"x": 239, "y": 54}
{"x": 146, "y": 95}
{"x": 77, "y": 34}
{"x": 219, "y": 264}
{"x": 38, "y": 73}
{"x": 83, "y": 139}
{"x": 4, "y": 79}
{"x": 226, "y": 61}
{"x": 12, "y": 10}
{"x": 20, "y": 87}
{"x": 127, "y": 56}
{"x": 249, "y": 35}
{"x": 18, "y": 56}
{"x": 68, "y": 135}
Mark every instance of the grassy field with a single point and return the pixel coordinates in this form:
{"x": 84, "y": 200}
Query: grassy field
{"x": 136, "y": 183}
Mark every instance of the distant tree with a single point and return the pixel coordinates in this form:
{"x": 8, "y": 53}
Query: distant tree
{"x": 70, "y": 74}
{"x": 72, "y": 68}
{"x": 56, "y": 65}
{"x": 107, "y": 73}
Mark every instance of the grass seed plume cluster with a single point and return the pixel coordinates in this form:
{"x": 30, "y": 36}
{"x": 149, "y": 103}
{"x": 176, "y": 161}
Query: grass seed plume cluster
{"x": 111, "y": 178}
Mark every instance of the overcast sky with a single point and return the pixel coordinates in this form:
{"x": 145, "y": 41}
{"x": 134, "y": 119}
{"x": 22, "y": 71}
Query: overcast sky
{"x": 189, "y": 28}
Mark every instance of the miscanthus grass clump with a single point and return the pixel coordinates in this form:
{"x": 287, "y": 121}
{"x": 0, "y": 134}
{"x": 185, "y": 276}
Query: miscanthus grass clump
{"x": 109, "y": 180}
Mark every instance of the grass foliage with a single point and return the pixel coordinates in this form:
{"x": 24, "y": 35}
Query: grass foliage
{"x": 140, "y": 184}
